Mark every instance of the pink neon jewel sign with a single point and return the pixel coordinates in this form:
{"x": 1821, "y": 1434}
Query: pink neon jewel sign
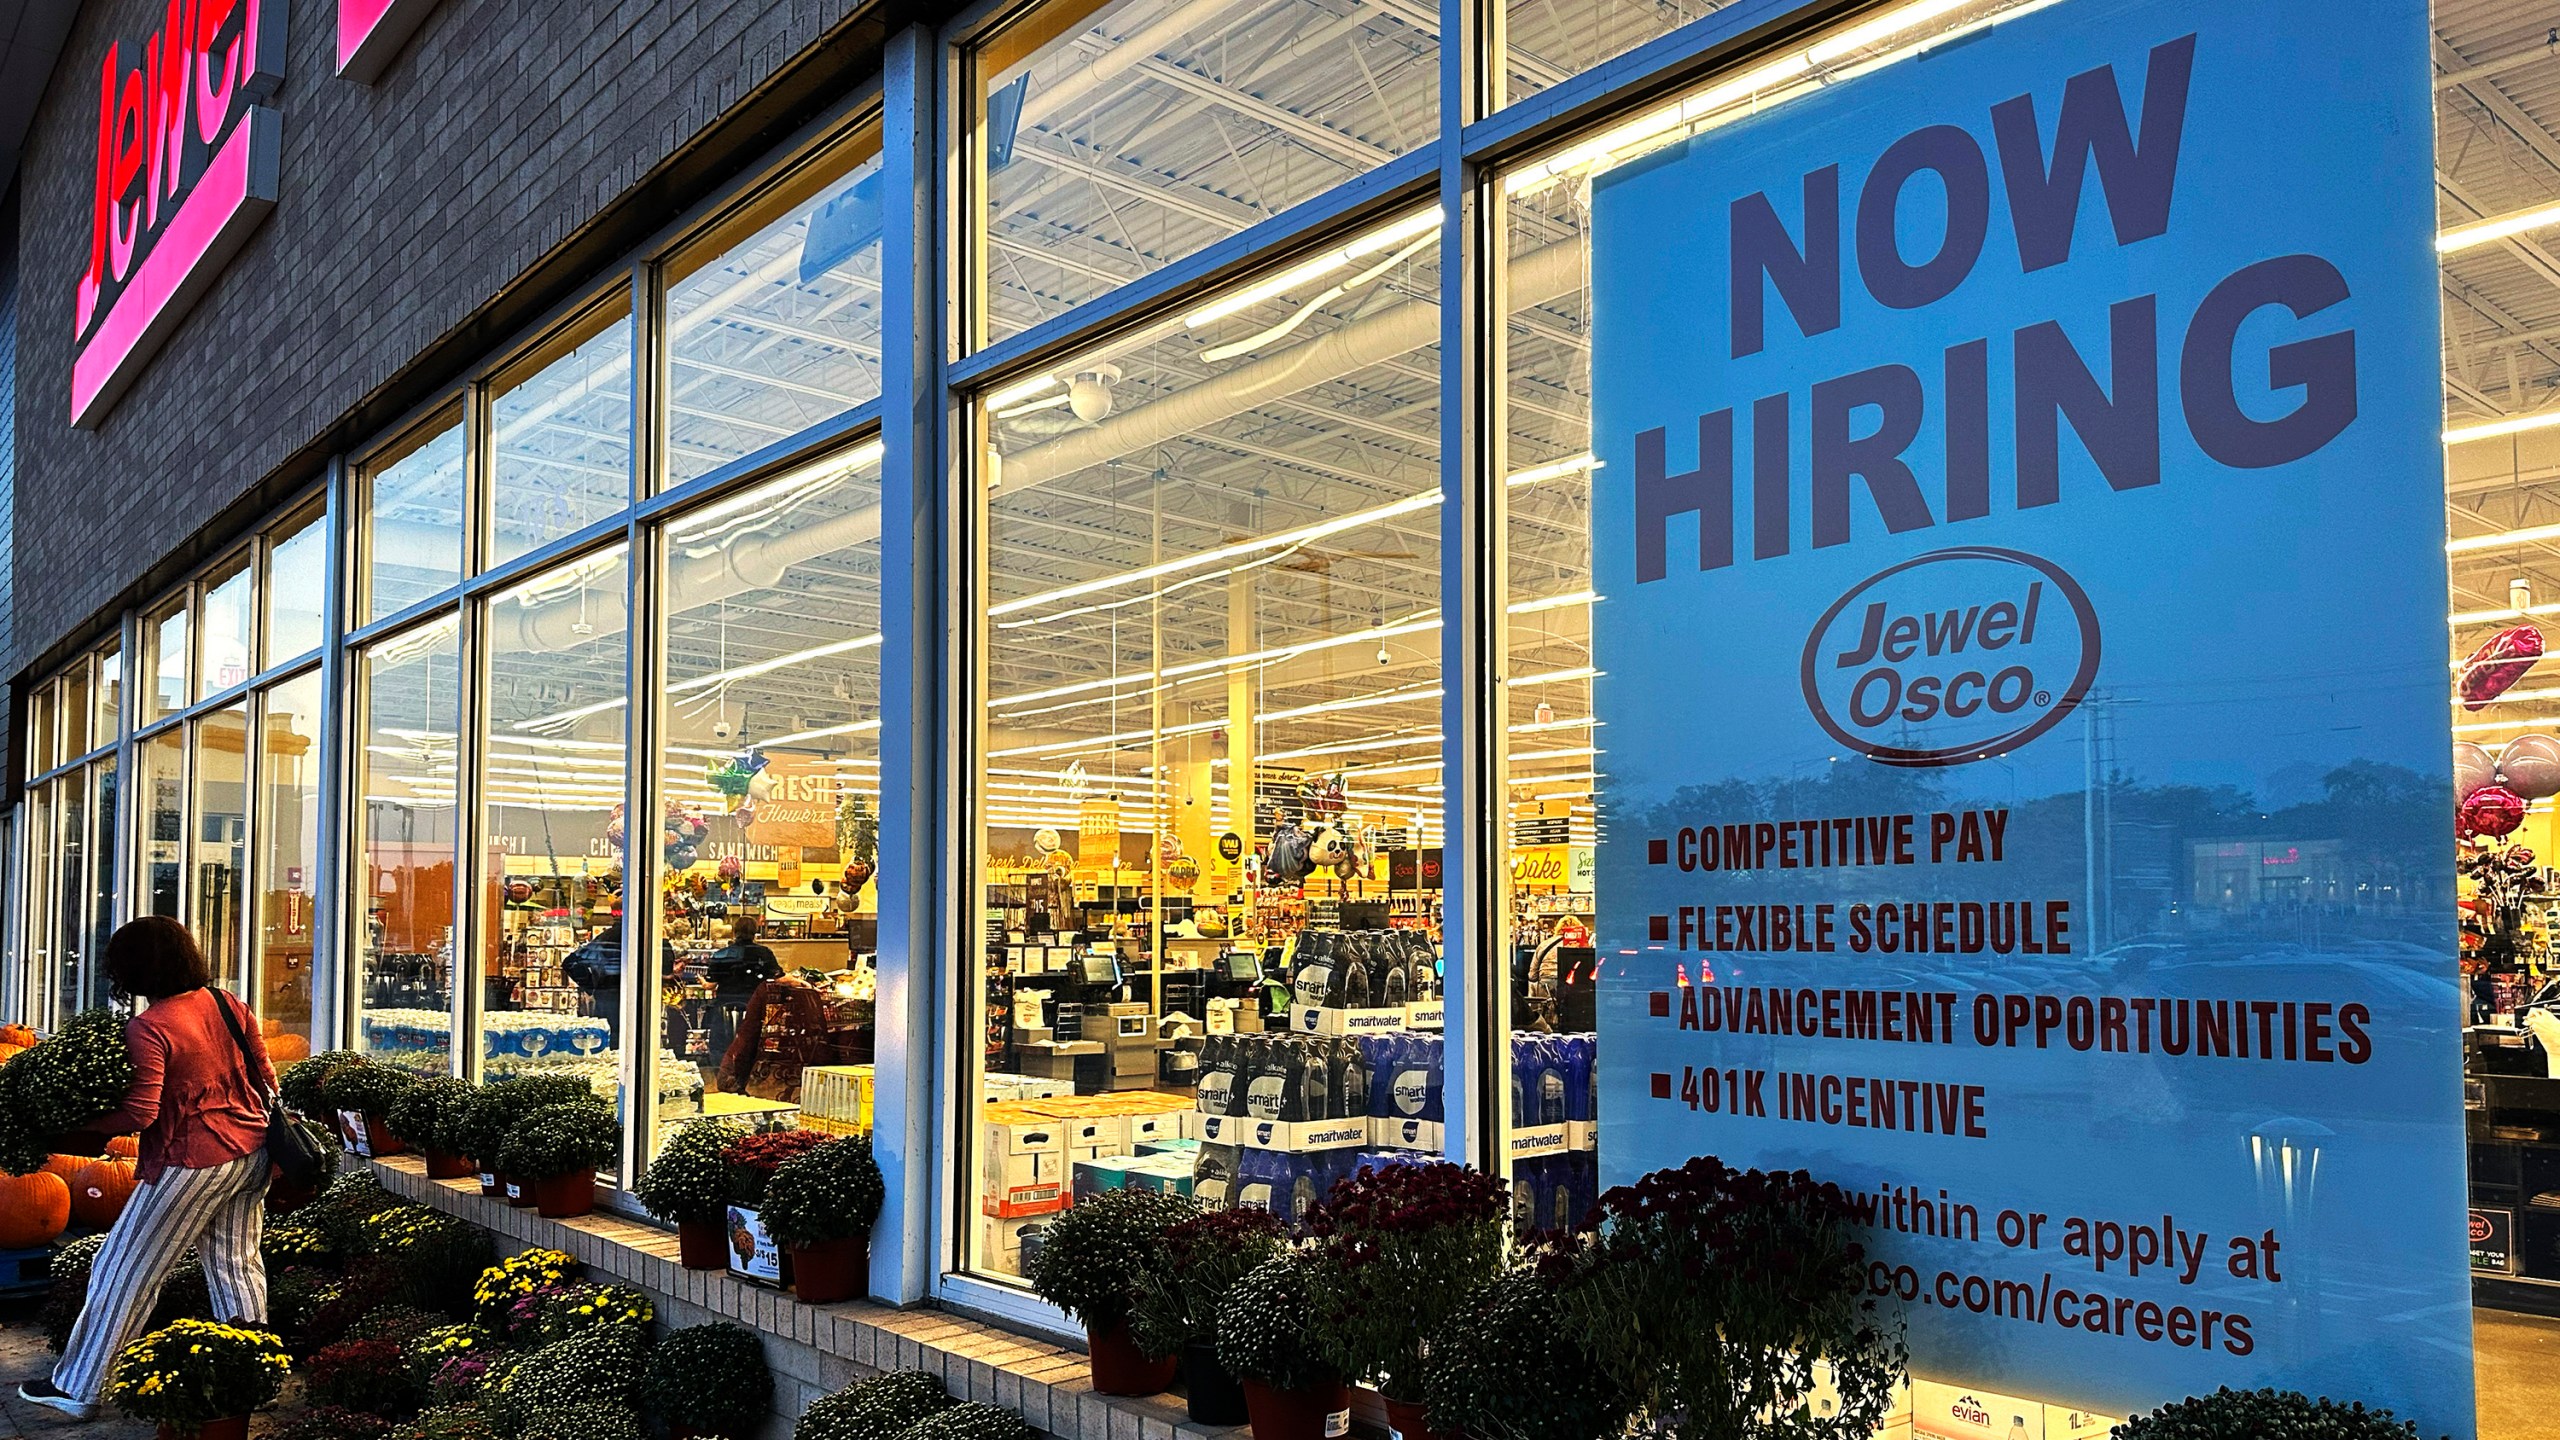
{"x": 186, "y": 168}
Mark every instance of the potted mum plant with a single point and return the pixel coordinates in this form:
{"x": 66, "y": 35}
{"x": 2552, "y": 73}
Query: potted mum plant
{"x": 1710, "y": 1294}
{"x": 1089, "y": 1266}
{"x": 689, "y": 1184}
{"x": 1506, "y": 1364}
{"x": 1269, "y": 1338}
{"x": 500, "y": 1107}
{"x": 1175, "y": 1309}
{"x": 555, "y": 1154}
{"x": 753, "y": 1161}
{"x": 820, "y": 1206}
{"x": 707, "y": 1380}
{"x": 434, "y": 1115}
{"x": 360, "y": 1097}
{"x": 198, "y": 1378}
{"x": 60, "y": 1085}
{"x": 2229, "y": 1414}
{"x": 1403, "y": 1246}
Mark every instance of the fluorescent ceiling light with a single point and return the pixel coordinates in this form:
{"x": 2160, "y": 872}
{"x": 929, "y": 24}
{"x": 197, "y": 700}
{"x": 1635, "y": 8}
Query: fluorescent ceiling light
{"x": 1022, "y": 390}
{"x": 2496, "y": 227}
{"x": 1386, "y": 237}
{"x": 2503, "y": 539}
{"x": 1540, "y": 474}
{"x": 2492, "y": 429}
{"x": 1303, "y": 534}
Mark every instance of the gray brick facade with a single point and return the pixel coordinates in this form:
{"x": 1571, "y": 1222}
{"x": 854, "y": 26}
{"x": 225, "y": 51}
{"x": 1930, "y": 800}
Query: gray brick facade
{"x": 513, "y": 149}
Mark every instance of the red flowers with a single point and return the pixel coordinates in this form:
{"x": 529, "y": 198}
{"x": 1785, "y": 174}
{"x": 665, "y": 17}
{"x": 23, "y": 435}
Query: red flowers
{"x": 1405, "y": 1199}
{"x": 768, "y": 1151}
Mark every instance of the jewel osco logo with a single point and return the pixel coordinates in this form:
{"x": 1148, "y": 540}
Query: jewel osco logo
{"x": 1951, "y": 657}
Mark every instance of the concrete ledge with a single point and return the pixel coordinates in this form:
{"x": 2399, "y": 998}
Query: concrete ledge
{"x": 818, "y": 1349}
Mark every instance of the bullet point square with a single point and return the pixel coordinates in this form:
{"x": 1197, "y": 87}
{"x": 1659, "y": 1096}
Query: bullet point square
{"x": 1661, "y": 1086}
{"x": 1657, "y": 852}
{"x": 1661, "y": 926}
{"x": 1661, "y": 1003}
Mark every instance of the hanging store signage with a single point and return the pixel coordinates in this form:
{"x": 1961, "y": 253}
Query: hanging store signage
{"x": 371, "y": 32}
{"x": 186, "y": 167}
{"x": 2019, "y": 472}
{"x": 795, "y": 804}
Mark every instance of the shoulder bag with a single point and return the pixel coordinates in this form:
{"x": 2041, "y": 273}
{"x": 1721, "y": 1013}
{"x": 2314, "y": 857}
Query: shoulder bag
{"x": 290, "y": 1148}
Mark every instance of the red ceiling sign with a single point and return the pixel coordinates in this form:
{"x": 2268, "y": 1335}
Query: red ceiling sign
{"x": 186, "y": 168}
{"x": 370, "y": 32}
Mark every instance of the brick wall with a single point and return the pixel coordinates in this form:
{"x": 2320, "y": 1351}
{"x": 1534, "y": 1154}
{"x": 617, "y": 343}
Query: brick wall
{"x": 494, "y": 147}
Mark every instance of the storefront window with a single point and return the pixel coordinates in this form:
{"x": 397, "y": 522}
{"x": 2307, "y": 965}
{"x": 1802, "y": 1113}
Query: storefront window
{"x": 411, "y": 546}
{"x": 71, "y": 880}
{"x": 562, "y": 426}
{"x": 42, "y": 707}
{"x": 773, "y": 319}
{"x": 1115, "y": 139}
{"x": 401, "y": 921}
{"x": 42, "y": 851}
{"x": 555, "y": 985}
{"x": 766, "y": 839}
{"x": 103, "y": 805}
{"x": 76, "y": 709}
{"x": 221, "y": 828}
{"x": 288, "y": 856}
{"x": 297, "y": 588}
{"x": 1209, "y": 771}
{"x": 1544, "y": 43}
{"x": 163, "y": 759}
{"x": 164, "y": 637}
{"x": 228, "y": 635}
{"x": 109, "y": 726}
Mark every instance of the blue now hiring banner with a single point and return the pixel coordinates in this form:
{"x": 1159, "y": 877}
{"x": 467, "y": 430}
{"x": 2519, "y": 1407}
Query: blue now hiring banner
{"x": 2027, "y": 800}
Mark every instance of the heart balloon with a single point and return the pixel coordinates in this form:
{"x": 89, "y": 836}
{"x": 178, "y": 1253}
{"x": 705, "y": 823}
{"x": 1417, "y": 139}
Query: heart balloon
{"x": 2501, "y": 661}
{"x": 2529, "y": 766}
{"x": 2472, "y": 768}
{"x": 2492, "y": 810}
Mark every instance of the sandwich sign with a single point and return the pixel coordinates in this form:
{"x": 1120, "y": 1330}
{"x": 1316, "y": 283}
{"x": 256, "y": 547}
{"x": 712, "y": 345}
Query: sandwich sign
{"x": 186, "y": 167}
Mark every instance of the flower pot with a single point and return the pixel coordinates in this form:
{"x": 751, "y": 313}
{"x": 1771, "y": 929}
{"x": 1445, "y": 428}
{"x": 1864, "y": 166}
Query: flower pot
{"x": 519, "y": 1192}
{"x": 702, "y": 1245}
{"x": 230, "y": 1427}
{"x": 1318, "y": 1412}
{"x": 284, "y": 1196}
{"x": 831, "y": 1270}
{"x": 493, "y": 1186}
{"x": 369, "y": 1135}
{"x": 1405, "y": 1421}
{"x": 565, "y": 1197}
{"x": 1120, "y": 1367}
{"x": 1216, "y": 1396}
{"x": 441, "y": 1166}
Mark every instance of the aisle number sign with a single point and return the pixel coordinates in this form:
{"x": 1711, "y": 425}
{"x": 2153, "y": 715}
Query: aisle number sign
{"x": 2006, "y": 452}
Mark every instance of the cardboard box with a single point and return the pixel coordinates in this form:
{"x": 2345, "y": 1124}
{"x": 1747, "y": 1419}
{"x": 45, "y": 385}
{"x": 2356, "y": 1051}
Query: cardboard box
{"x": 1291, "y": 1135}
{"x": 1582, "y": 1134}
{"x": 1189, "y": 1150}
{"x": 2064, "y": 1422}
{"x": 1147, "y": 1129}
{"x": 1393, "y": 1134}
{"x": 1964, "y": 1412}
{"x": 1326, "y": 1020}
{"x": 1109, "y": 1172}
{"x": 1529, "y": 1140}
{"x": 1034, "y": 1035}
{"x": 1000, "y": 1242}
{"x": 1170, "y": 1174}
{"x": 1024, "y": 1171}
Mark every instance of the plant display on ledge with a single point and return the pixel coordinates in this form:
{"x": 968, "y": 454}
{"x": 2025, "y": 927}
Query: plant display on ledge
{"x": 1402, "y": 1248}
{"x": 498, "y": 1109}
{"x": 689, "y": 1185}
{"x": 360, "y": 1096}
{"x": 708, "y": 1380}
{"x": 753, "y": 1159}
{"x": 557, "y": 1151}
{"x": 435, "y": 1116}
{"x": 1710, "y": 1294}
{"x": 821, "y": 1205}
{"x": 299, "y": 1083}
{"x": 1090, "y": 1265}
{"x": 1506, "y": 1365}
{"x": 1271, "y": 1338}
{"x": 197, "y": 1377}
{"x": 1175, "y": 1308}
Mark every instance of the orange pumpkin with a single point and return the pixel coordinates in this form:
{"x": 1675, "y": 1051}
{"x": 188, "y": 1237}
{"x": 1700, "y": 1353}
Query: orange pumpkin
{"x": 100, "y": 1190}
{"x": 66, "y": 1166}
{"x": 18, "y": 1035}
{"x": 124, "y": 1147}
{"x": 34, "y": 1209}
{"x": 283, "y": 1050}
{"x": 10, "y": 1052}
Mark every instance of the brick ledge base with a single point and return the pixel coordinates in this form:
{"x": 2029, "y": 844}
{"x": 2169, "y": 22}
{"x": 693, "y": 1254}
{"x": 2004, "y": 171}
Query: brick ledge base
{"x": 818, "y": 1349}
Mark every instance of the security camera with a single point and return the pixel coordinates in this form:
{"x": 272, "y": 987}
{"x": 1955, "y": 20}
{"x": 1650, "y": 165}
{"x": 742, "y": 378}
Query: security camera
{"x": 1089, "y": 394}
{"x": 721, "y": 729}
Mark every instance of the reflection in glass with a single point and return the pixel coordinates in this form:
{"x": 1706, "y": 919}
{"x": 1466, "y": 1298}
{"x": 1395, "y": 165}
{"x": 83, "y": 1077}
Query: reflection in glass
{"x": 43, "y": 852}
{"x": 42, "y": 753}
{"x": 412, "y": 542}
{"x": 163, "y": 758}
{"x": 549, "y": 871}
{"x": 1545, "y": 42}
{"x": 1152, "y": 129}
{"x": 1212, "y": 614}
{"x": 221, "y": 826}
{"x": 110, "y": 696}
{"x": 771, "y": 777}
{"x": 563, "y": 442}
{"x": 297, "y": 590}
{"x": 76, "y": 709}
{"x": 229, "y": 632}
{"x": 403, "y": 876}
{"x": 778, "y": 328}
{"x": 288, "y": 841}
{"x": 71, "y": 881}
{"x": 165, "y": 670}
{"x": 102, "y": 883}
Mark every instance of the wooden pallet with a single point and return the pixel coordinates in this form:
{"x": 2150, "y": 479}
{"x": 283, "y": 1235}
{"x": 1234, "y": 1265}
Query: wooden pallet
{"x": 25, "y": 1272}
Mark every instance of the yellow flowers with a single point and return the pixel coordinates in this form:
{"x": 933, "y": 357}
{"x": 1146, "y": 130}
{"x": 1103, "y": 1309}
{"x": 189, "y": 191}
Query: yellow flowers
{"x": 192, "y": 1371}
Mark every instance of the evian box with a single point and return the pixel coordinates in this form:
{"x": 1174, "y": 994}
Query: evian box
{"x": 1968, "y": 1412}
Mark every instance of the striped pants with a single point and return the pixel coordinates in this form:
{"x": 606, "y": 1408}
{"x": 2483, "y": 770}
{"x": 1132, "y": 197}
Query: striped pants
{"x": 220, "y": 1211}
